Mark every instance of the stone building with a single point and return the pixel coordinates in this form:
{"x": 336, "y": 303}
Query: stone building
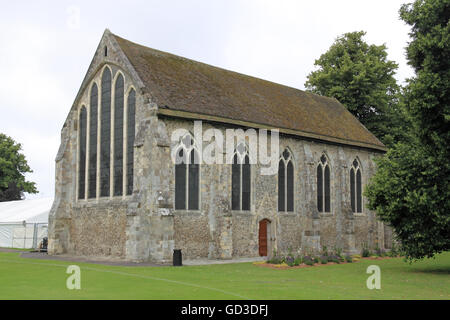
{"x": 120, "y": 195}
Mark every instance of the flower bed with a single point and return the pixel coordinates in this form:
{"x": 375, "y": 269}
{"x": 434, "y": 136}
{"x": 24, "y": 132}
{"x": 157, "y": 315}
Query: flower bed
{"x": 291, "y": 262}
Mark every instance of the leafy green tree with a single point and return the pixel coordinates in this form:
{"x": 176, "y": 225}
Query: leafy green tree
{"x": 13, "y": 167}
{"x": 361, "y": 77}
{"x": 411, "y": 189}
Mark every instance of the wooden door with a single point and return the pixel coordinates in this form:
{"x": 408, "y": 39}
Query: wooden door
{"x": 263, "y": 238}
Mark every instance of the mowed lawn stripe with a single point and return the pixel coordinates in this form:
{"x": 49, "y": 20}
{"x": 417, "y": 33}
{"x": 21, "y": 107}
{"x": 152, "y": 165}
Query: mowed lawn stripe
{"x": 22, "y": 278}
{"x": 22, "y": 282}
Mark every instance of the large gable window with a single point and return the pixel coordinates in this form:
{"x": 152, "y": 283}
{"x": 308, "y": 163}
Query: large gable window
{"x": 240, "y": 179}
{"x": 82, "y": 158}
{"x": 131, "y": 113}
{"x": 118, "y": 136}
{"x": 286, "y": 183}
{"x": 323, "y": 185}
{"x": 356, "y": 187}
{"x": 187, "y": 175}
{"x": 106, "y": 138}
{"x": 105, "y": 134}
{"x": 93, "y": 124}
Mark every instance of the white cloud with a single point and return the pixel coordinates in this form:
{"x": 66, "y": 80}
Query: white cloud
{"x": 280, "y": 40}
{"x": 43, "y": 58}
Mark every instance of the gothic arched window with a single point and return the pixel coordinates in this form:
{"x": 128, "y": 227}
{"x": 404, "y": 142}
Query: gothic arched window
{"x": 105, "y": 134}
{"x": 82, "y": 158}
{"x": 131, "y": 113}
{"x": 286, "y": 182}
{"x": 240, "y": 179}
{"x": 118, "y": 135}
{"x": 93, "y": 124}
{"x": 323, "y": 185}
{"x": 187, "y": 175}
{"x": 356, "y": 187}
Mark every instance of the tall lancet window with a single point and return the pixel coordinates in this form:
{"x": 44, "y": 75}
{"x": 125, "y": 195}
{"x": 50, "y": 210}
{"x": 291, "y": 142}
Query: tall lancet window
{"x": 131, "y": 114}
{"x": 82, "y": 158}
{"x": 240, "y": 179}
{"x": 356, "y": 187}
{"x": 323, "y": 185}
{"x": 105, "y": 134}
{"x": 187, "y": 175}
{"x": 118, "y": 136}
{"x": 93, "y": 124}
{"x": 286, "y": 183}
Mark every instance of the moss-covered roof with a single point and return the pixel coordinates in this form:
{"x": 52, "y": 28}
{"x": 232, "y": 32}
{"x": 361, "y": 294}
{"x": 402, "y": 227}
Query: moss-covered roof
{"x": 183, "y": 86}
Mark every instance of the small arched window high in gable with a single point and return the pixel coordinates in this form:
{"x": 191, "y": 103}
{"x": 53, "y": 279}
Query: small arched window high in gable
{"x": 241, "y": 179}
{"x": 82, "y": 157}
{"x": 93, "y": 124}
{"x": 187, "y": 175}
{"x": 105, "y": 134}
{"x": 356, "y": 187}
{"x": 285, "y": 183}
{"x": 323, "y": 185}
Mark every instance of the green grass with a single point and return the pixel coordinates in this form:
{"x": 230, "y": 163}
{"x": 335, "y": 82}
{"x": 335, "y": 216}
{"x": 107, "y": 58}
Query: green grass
{"x": 22, "y": 278}
{"x": 18, "y": 249}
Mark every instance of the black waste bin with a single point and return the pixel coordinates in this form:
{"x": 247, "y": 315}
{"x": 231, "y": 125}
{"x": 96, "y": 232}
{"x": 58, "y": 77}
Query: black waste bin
{"x": 177, "y": 258}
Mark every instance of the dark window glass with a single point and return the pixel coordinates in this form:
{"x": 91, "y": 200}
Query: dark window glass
{"x": 327, "y": 189}
{"x": 118, "y": 137}
{"x": 281, "y": 186}
{"x": 93, "y": 123}
{"x": 82, "y": 159}
{"x": 180, "y": 181}
{"x": 194, "y": 182}
{"x": 358, "y": 191}
{"x": 131, "y": 105}
{"x": 235, "y": 184}
{"x": 319, "y": 188}
{"x": 105, "y": 134}
{"x": 352, "y": 188}
{"x": 290, "y": 187}
{"x": 246, "y": 184}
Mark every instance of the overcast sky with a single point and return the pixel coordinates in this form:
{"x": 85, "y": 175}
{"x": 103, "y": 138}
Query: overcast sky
{"x": 46, "y": 48}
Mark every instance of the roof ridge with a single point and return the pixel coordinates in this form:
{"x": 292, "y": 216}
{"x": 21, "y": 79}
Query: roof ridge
{"x": 223, "y": 69}
{"x": 186, "y": 85}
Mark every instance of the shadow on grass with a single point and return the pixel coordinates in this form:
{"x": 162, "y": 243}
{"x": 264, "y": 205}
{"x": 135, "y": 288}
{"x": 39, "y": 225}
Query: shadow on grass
{"x": 428, "y": 270}
{"x": 439, "y": 264}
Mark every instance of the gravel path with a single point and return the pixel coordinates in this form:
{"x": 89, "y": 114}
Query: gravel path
{"x": 109, "y": 262}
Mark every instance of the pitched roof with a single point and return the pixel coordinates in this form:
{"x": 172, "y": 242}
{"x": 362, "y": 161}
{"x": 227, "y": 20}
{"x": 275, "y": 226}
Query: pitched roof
{"x": 193, "y": 89}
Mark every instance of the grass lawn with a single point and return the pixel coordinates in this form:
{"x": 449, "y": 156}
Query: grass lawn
{"x": 22, "y": 278}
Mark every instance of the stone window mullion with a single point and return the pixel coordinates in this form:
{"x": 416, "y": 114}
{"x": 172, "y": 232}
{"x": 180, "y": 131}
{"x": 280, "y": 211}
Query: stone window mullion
{"x": 111, "y": 139}
{"x": 285, "y": 186}
{"x": 323, "y": 188}
{"x": 186, "y": 202}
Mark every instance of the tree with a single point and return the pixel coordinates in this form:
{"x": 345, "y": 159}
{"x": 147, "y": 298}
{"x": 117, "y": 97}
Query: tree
{"x": 13, "y": 167}
{"x": 411, "y": 189}
{"x": 362, "y": 78}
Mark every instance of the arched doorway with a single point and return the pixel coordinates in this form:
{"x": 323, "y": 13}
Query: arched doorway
{"x": 264, "y": 236}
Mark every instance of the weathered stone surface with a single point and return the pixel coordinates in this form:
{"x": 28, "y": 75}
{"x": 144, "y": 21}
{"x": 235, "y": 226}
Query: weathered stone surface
{"x": 145, "y": 226}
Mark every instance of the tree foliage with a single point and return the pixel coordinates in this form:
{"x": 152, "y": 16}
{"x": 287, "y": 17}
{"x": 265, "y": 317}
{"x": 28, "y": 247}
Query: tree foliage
{"x": 411, "y": 189}
{"x": 13, "y": 167}
{"x": 361, "y": 77}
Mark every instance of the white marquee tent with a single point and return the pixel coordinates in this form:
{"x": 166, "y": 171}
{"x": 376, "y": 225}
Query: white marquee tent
{"x": 24, "y": 223}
